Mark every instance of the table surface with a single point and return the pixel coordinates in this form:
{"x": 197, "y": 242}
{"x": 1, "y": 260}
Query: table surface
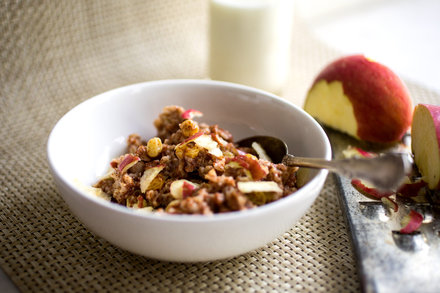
{"x": 57, "y": 54}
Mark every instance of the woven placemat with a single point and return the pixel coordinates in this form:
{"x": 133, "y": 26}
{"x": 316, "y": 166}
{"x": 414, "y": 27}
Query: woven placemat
{"x": 54, "y": 55}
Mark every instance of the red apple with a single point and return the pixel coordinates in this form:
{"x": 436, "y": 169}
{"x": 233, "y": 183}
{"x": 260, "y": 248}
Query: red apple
{"x": 425, "y": 143}
{"x": 362, "y": 98}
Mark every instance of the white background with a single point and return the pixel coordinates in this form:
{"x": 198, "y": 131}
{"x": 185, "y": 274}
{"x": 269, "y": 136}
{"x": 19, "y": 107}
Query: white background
{"x": 402, "y": 34}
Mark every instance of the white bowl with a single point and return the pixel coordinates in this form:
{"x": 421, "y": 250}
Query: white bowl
{"x": 84, "y": 141}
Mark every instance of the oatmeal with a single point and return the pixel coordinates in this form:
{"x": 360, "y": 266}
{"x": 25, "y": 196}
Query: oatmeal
{"x": 193, "y": 168}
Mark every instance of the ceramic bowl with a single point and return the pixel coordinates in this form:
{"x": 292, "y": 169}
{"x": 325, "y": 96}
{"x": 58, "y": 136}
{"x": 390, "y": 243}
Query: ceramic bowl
{"x": 84, "y": 141}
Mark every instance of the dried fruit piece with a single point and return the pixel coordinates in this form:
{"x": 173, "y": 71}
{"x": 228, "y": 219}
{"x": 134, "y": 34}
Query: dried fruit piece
{"x": 154, "y": 147}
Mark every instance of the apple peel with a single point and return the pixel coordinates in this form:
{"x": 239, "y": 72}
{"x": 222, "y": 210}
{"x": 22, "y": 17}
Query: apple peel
{"x": 366, "y": 189}
{"x": 412, "y": 189}
{"x": 411, "y": 222}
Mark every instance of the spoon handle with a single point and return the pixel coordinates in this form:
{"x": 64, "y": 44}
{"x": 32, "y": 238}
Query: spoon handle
{"x": 385, "y": 172}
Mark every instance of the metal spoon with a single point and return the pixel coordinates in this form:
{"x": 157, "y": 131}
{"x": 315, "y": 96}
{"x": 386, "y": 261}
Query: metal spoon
{"x": 385, "y": 172}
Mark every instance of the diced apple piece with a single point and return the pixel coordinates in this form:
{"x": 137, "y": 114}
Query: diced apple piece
{"x": 411, "y": 222}
{"x": 362, "y": 98}
{"x": 148, "y": 177}
{"x": 258, "y": 186}
{"x": 201, "y": 140}
{"x": 181, "y": 148}
{"x": 128, "y": 162}
{"x": 182, "y": 188}
{"x": 425, "y": 143}
{"x": 252, "y": 164}
{"x": 205, "y": 141}
{"x": 261, "y": 152}
{"x": 191, "y": 113}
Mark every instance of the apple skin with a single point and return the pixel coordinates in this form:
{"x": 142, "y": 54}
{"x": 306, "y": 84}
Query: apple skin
{"x": 425, "y": 143}
{"x": 365, "y": 99}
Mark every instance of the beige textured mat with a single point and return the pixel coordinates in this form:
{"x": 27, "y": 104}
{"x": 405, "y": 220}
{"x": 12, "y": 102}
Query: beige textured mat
{"x": 55, "y": 54}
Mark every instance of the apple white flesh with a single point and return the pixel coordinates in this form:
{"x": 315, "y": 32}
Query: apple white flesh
{"x": 330, "y": 105}
{"x": 425, "y": 143}
{"x": 258, "y": 186}
{"x": 205, "y": 141}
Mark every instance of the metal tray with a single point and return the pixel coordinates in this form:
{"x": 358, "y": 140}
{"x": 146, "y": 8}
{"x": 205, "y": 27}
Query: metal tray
{"x": 389, "y": 261}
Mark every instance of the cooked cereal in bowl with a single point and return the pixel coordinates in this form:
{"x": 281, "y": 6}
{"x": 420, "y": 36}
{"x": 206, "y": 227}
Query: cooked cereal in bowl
{"x": 192, "y": 168}
{"x": 192, "y": 195}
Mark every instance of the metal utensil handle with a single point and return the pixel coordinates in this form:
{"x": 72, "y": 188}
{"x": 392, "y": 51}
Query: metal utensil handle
{"x": 385, "y": 172}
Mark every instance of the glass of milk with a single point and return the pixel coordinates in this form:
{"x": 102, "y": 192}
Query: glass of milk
{"x": 250, "y": 42}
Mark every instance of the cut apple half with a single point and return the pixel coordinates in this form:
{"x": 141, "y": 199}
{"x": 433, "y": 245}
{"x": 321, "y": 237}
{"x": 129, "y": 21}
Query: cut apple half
{"x": 258, "y": 186}
{"x": 205, "y": 141}
{"x": 362, "y": 98}
{"x": 182, "y": 188}
{"x": 425, "y": 143}
{"x": 149, "y": 175}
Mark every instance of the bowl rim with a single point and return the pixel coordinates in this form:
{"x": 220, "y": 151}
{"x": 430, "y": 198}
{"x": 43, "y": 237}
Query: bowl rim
{"x": 319, "y": 178}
